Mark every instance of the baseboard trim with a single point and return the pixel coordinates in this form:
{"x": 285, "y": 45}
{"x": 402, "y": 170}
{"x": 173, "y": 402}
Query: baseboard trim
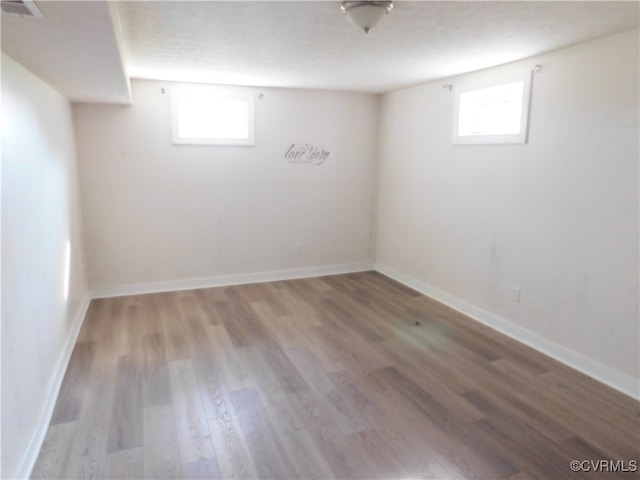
{"x": 37, "y": 438}
{"x": 613, "y": 378}
{"x": 226, "y": 280}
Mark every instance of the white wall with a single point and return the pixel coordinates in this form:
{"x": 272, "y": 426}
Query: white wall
{"x": 40, "y": 213}
{"x": 156, "y": 212}
{"x": 557, "y": 217}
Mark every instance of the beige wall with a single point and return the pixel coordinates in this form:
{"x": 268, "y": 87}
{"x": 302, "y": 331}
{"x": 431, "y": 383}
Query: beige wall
{"x": 40, "y": 213}
{"x": 156, "y": 212}
{"x": 557, "y": 217}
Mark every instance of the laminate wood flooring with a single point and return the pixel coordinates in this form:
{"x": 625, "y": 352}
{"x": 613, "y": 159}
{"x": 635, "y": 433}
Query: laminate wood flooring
{"x": 349, "y": 376}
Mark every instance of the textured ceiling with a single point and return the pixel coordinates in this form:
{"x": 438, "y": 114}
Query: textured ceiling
{"x": 305, "y": 44}
{"x": 312, "y": 45}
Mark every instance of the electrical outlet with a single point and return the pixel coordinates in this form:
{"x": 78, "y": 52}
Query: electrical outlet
{"x": 516, "y": 294}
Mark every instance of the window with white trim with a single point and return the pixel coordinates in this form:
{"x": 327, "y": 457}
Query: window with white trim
{"x": 496, "y": 112}
{"x": 202, "y": 116}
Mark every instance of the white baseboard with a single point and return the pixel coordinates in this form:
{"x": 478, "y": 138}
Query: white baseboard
{"x": 621, "y": 382}
{"x": 37, "y": 438}
{"x": 225, "y": 280}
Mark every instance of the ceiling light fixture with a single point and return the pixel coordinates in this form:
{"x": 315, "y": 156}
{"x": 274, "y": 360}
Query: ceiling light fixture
{"x": 366, "y": 15}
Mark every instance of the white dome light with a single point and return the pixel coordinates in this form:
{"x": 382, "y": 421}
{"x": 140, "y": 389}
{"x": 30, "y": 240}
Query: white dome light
{"x": 366, "y": 15}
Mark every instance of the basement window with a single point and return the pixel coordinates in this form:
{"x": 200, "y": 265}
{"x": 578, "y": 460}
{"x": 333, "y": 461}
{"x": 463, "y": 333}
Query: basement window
{"x": 492, "y": 113}
{"x": 204, "y": 117}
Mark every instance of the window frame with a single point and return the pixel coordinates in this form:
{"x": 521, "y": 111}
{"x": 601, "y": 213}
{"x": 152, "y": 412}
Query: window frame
{"x": 176, "y": 93}
{"x": 479, "y": 84}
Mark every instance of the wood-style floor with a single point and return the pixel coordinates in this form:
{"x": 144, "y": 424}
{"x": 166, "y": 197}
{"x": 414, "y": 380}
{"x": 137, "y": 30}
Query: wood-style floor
{"x": 325, "y": 377}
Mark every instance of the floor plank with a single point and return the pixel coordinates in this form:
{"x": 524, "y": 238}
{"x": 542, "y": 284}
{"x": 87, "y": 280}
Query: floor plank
{"x": 126, "y": 464}
{"x": 348, "y": 418}
{"x": 194, "y": 438}
{"x": 270, "y": 458}
{"x": 283, "y": 413}
{"x": 88, "y": 455}
{"x": 201, "y": 470}
{"x": 126, "y": 429}
{"x": 344, "y": 461}
{"x": 55, "y": 451}
{"x": 307, "y": 459}
{"x": 232, "y": 452}
{"x": 228, "y": 362}
{"x": 156, "y": 387}
{"x": 74, "y": 384}
{"x": 161, "y": 449}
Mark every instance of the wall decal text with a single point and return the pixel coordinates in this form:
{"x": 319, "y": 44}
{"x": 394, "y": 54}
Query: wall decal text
{"x": 306, "y": 154}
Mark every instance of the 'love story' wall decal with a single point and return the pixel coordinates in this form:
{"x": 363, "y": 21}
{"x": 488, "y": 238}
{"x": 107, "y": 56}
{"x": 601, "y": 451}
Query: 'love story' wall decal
{"x": 306, "y": 154}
